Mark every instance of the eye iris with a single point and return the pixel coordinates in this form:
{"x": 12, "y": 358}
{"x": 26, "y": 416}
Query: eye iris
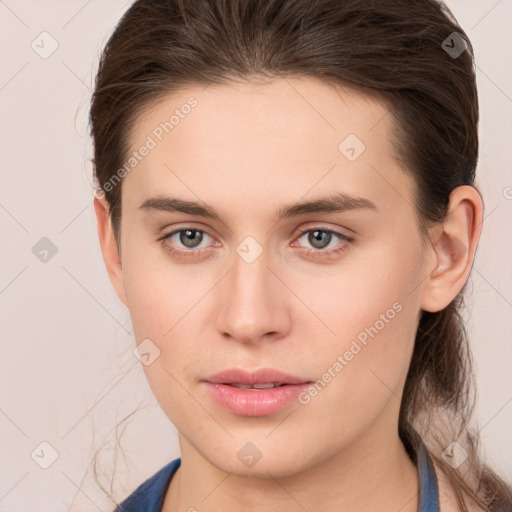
{"x": 314, "y": 238}
{"x": 189, "y": 236}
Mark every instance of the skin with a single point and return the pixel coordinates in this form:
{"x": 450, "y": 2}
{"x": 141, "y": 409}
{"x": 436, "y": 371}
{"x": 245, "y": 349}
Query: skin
{"x": 247, "y": 150}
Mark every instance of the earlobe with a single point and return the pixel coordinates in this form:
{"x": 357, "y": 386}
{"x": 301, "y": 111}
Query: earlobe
{"x": 453, "y": 245}
{"x": 109, "y": 249}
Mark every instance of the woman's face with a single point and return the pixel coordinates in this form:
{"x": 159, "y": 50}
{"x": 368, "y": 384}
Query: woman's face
{"x": 248, "y": 290}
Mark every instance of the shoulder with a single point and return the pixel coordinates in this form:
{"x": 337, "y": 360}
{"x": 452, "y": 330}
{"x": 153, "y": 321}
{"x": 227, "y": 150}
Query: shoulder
{"x": 149, "y": 495}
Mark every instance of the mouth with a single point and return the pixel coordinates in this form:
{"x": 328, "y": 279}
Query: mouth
{"x": 254, "y": 393}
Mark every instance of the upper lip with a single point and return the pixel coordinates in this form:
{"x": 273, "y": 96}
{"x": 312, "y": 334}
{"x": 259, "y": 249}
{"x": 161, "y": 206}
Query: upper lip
{"x": 260, "y": 376}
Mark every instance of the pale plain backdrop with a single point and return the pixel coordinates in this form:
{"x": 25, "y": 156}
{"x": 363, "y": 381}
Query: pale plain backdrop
{"x": 67, "y": 367}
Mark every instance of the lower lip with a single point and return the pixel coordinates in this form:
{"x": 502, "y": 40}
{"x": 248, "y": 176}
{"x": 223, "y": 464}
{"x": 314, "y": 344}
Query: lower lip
{"x": 255, "y": 402}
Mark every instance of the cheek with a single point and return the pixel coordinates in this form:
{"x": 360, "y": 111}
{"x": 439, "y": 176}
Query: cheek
{"x": 161, "y": 293}
{"x": 372, "y": 292}
{"x": 166, "y": 302}
{"x": 370, "y": 305}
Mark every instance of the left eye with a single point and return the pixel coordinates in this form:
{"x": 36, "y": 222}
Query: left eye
{"x": 190, "y": 238}
{"x": 321, "y": 238}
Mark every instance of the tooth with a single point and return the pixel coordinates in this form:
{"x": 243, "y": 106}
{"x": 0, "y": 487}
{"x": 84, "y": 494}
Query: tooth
{"x": 266, "y": 385}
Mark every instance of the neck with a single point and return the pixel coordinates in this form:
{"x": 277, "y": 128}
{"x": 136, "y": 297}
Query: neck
{"x": 364, "y": 476}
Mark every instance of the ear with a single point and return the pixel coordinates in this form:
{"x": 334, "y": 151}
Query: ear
{"x": 453, "y": 245}
{"x": 111, "y": 256}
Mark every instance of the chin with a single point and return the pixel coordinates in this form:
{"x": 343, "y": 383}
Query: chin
{"x": 264, "y": 466}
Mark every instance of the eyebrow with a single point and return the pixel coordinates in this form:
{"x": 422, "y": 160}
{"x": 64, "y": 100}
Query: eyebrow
{"x": 335, "y": 203}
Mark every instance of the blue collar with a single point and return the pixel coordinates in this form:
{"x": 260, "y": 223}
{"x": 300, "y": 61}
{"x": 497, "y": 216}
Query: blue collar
{"x": 429, "y": 492}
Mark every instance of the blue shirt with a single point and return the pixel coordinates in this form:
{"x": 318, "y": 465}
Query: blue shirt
{"x": 149, "y": 496}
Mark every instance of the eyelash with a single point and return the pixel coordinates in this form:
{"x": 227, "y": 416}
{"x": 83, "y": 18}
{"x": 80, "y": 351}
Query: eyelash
{"x": 313, "y": 253}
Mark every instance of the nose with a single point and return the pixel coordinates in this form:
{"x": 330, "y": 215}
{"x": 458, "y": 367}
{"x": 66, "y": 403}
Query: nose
{"x": 253, "y": 303}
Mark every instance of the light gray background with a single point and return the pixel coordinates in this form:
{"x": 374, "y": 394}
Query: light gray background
{"x": 67, "y": 368}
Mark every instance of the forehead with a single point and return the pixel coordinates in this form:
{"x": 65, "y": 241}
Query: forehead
{"x": 293, "y": 134}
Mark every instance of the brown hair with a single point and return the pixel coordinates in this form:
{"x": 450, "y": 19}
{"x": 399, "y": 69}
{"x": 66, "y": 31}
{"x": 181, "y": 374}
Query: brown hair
{"x": 392, "y": 50}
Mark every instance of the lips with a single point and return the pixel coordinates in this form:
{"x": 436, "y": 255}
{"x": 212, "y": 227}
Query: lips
{"x": 254, "y": 393}
{"x": 258, "y": 379}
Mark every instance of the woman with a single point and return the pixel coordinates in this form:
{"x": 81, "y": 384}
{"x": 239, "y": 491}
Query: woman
{"x": 286, "y": 205}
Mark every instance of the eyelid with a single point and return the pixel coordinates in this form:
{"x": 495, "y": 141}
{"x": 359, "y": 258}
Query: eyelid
{"x": 323, "y": 227}
{"x": 176, "y": 228}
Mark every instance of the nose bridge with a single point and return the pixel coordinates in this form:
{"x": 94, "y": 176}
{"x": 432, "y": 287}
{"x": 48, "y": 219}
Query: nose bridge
{"x": 252, "y": 305}
{"x": 250, "y": 277}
